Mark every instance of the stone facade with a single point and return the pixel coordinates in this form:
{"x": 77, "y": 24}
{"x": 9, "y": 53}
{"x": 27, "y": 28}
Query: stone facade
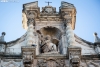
{"x": 49, "y": 40}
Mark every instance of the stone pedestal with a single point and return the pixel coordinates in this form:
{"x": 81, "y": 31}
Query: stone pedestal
{"x": 28, "y": 55}
{"x": 74, "y": 54}
{"x": 51, "y": 60}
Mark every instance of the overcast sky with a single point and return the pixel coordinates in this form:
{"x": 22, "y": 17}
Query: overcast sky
{"x": 87, "y": 17}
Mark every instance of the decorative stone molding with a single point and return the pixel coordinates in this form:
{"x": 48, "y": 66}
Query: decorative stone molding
{"x": 51, "y": 62}
{"x": 48, "y": 10}
{"x": 11, "y": 64}
{"x": 93, "y": 63}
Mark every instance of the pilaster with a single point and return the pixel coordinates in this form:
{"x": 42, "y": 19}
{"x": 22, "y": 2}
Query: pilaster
{"x": 31, "y": 11}
{"x": 74, "y": 52}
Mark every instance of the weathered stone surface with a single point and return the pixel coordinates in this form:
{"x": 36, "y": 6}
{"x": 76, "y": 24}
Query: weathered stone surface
{"x": 49, "y": 40}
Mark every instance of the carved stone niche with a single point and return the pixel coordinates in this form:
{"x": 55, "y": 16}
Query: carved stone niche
{"x": 28, "y": 54}
{"x": 74, "y": 56}
{"x": 54, "y": 36}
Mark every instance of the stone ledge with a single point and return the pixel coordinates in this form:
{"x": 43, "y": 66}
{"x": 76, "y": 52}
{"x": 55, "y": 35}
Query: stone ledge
{"x": 41, "y": 56}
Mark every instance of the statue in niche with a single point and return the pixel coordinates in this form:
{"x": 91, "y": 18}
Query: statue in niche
{"x": 47, "y": 45}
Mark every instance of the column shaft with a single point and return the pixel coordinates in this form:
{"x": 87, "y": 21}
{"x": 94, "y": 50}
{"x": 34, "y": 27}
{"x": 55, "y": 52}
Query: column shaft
{"x": 70, "y": 34}
{"x": 30, "y": 35}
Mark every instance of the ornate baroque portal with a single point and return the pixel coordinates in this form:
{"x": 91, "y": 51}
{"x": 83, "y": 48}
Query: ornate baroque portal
{"x": 49, "y": 40}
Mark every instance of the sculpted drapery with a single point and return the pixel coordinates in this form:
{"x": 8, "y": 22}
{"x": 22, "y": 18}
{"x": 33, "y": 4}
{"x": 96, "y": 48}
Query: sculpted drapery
{"x": 47, "y": 45}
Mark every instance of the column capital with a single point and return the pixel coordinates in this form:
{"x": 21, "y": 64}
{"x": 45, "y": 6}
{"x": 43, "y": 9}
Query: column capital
{"x": 67, "y": 18}
{"x": 31, "y": 21}
{"x": 31, "y": 15}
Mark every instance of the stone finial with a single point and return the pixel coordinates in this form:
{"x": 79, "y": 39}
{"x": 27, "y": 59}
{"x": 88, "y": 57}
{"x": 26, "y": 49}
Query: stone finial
{"x": 95, "y": 34}
{"x": 3, "y": 33}
{"x": 2, "y": 37}
{"x": 97, "y": 39}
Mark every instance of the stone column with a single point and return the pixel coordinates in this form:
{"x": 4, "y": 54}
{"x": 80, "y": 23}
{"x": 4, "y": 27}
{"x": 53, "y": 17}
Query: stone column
{"x": 70, "y": 35}
{"x": 31, "y": 38}
{"x": 30, "y": 33}
{"x": 69, "y": 31}
{"x": 64, "y": 44}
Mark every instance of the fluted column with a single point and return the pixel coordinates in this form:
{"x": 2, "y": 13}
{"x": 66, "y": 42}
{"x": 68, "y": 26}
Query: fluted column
{"x": 69, "y": 31}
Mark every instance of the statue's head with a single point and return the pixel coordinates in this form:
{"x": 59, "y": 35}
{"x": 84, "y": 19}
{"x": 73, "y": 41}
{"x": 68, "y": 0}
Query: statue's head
{"x": 48, "y": 37}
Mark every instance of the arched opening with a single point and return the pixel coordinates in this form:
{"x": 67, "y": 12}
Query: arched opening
{"x": 53, "y": 32}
